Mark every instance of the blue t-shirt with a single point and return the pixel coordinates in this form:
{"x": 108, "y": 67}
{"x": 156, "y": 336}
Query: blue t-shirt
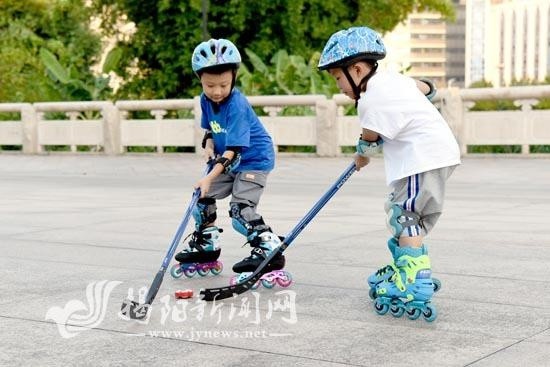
{"x": 235, "y": 124}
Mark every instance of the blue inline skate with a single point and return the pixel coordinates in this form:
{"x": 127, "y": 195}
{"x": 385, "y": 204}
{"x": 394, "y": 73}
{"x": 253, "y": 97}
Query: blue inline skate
{"x": 409, "y": 289}
{"x": 201, "y": 257}
{"x": 386, "y": 272}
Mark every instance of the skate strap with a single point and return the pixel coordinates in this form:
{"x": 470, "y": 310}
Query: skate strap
{"x": 258, "y": 251}
{"x": 197, "y": 240}
{"x": 396, "y": 278}
{"x": 384, "y": 270}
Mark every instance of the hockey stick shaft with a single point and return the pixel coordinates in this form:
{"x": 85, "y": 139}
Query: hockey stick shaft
{"x": 151, "y": 294}
{"x": 212, "y": 294}
{"x": 319, "y": 205}
{"x": 136, "y": 311}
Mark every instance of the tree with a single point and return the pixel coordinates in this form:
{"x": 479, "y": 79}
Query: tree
{"x": 61, "y": 28}
{"x": 168, "y": 31}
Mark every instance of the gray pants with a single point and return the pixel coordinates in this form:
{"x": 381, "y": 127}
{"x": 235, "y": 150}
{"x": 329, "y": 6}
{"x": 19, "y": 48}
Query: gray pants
{"x": 422, "y": 194}
{"x": 245, "y": 188}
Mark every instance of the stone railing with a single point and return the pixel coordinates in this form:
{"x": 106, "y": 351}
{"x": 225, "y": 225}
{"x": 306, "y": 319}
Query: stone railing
{"x": 111, "y": 128}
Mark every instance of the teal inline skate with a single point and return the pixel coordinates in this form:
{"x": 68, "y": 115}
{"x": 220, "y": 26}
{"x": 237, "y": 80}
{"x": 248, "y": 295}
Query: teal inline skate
{"x": 386, "y": 272}
{"x": 410, "y": 287}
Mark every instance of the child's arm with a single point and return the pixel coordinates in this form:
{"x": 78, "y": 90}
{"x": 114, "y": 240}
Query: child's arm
{"x": 227, "y": 162}
{"x": 369, "y": 135}
{"x": 220, "y": 165}
{"x": 427, "y": 87}
{"x": 208, "y": 145}
{"x": 369, "y": 144}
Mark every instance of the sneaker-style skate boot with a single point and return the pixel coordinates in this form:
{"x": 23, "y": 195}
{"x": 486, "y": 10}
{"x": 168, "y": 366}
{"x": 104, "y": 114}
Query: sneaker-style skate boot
{"x": 261, "y": 249}
{"x": 201, "y": 256}
{"x": 410, "y": 288}
{"x": 386, "y": 272}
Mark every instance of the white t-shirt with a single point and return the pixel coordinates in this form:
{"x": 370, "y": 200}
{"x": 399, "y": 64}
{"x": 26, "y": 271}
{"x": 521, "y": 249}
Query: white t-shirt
{"x": 416, "y": 137}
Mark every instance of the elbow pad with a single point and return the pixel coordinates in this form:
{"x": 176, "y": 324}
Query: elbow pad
{"x": 432, "y": 91}
{"x": 207, "y": 135}
{"x": 369, "y": 148}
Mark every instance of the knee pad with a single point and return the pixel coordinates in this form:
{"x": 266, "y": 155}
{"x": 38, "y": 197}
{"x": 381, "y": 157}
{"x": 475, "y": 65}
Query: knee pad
{"x": 204, "y": 213}
{"x": 250, "y": 228}
{"x": 400, "y": 219}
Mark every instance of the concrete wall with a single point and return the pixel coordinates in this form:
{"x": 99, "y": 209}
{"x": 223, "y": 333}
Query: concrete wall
{"x": 109, "y": 128}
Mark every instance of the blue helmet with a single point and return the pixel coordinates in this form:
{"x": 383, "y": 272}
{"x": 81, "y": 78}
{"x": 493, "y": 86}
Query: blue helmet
{"x": 215, "y": 52}
{"x": 352, "y": 44}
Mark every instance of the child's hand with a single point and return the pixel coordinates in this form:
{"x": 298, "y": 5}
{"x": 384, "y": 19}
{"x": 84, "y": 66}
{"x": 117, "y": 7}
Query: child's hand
{"x": 204, "y": 185}
{"x": 361, "y": 162}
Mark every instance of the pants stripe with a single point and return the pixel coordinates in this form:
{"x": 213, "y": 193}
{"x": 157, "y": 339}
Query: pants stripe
{"x": 412, "y": 192}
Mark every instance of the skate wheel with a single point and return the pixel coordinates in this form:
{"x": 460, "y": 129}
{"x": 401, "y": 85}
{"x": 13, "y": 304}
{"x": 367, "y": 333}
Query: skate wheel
{"x": 413, "y": 313}
{"x": 175, "y": 271}
{"x": 372, "y": 293}
{"x": 380, "y": 307}
{"x": 256, "y": 285}
{"x": 430, "y": 313}
{"x": 397, "y": 309}
{"x": 437, "y": 284}
{"x": 217, "y": 269}
{"x": 268, "y": 283}
{"x": 233, "y": 280}
{"x": 189, "y": 272}
{"x": 285, "y": 280}
{"x": 203, "y": 271}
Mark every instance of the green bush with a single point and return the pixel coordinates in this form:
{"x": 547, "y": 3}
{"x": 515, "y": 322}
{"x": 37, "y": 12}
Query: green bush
{"x": 539, "y": 149}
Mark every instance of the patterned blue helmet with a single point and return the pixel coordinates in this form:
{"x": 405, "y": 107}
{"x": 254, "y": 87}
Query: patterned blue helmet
{"x": 215, "y": 52}
{"x": 348, "y": 45}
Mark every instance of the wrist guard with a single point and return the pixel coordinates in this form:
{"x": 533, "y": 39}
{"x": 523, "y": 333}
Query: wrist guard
{"x": 369, "y": 148}
{"x": 229, "y": 164}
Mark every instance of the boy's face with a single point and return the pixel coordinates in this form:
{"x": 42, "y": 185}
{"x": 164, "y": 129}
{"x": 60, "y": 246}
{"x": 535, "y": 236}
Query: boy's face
{"x": 342, "y": 82}
{"x": 217, "y": 86}
{"x": 357, "y": 71}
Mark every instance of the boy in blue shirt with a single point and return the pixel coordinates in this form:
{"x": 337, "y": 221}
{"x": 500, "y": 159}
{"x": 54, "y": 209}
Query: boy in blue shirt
{"x": 244, "y": 156}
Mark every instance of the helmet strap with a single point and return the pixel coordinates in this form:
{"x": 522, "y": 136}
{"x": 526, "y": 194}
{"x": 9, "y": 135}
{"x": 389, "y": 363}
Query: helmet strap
{"x": 234, "y": 73}
{"x": 357, "y": 89}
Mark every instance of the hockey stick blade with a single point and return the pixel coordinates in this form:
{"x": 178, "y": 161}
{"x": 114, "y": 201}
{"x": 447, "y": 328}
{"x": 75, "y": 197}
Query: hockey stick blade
{"x": 212, "y": 294}
{"x": 137, "y": 311}
{"x": 133, "y": 310}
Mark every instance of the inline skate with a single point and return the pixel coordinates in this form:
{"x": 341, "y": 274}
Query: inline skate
{"x": 201, "y": 257}
{"x": 410, "y": 287}
{"x": 386, "y": 272}
{"x": 262, "y": 247}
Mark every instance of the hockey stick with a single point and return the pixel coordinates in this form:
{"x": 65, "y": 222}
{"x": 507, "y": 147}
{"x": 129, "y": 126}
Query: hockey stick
{"x": 212, "y": 294}
{"x": 133, "y": 309}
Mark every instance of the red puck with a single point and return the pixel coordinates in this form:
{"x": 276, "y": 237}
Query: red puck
{"x": 182, "y": 294}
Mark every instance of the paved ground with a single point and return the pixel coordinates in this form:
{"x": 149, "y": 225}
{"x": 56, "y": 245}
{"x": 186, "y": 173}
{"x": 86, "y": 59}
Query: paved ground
{"x": 79, "y": 233}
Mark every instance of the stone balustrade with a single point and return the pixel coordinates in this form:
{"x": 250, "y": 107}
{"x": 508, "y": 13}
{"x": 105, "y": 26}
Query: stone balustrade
{"x": 313, "y": 121}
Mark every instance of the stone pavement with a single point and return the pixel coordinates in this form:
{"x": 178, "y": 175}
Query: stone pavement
{"x": 78, "y": 233}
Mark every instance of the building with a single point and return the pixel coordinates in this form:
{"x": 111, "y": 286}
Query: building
{"x": 455, "y": 51}
{"x": 427, "y": 46}
{"x": 507, "y": 41}
{"x": 498, "y": 41}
